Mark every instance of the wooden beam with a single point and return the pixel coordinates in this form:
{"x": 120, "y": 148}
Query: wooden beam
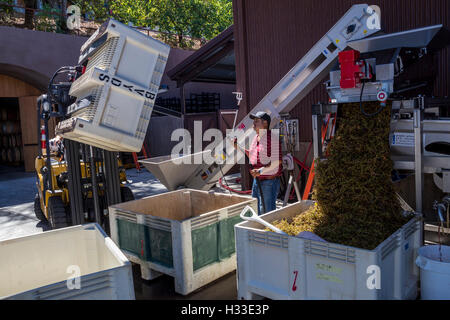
{"x": 242, "y": 79}
{"x": 200, "y": 67}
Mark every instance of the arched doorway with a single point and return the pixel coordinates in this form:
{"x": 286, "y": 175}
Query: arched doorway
{"x": 18, "y": 124}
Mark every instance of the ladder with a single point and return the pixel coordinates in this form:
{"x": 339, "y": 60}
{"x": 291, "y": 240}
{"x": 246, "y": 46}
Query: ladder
{"x": 136, "y": 158}
{"x": 312, "y": 172}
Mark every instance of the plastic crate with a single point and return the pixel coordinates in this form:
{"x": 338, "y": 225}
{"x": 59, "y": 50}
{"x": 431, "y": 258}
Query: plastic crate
{"x": 37, "y": 267}
{"x": 186, "y": 234}
{"x": 121, "y": 81}
{"x": 285, "y": 267}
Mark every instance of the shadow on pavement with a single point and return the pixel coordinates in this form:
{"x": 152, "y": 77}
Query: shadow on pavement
{"x": 43, "y": 225}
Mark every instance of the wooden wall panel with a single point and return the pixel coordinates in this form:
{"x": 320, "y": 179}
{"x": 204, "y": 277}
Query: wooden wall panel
{"x": 28, "y": 119}
{"x": 12, "y": 87}
{"x": 29, "y": 155}
{"x": 28, "y": 122}
{"x": 208, "y": 120}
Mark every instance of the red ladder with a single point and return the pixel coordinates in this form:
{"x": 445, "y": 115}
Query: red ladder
{"x": 136, "y": 158}
{"x": 312, "y": 172}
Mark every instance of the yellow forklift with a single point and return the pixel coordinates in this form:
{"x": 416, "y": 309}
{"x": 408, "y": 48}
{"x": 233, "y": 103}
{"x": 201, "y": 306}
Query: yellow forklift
{"x": 67, "y": 191}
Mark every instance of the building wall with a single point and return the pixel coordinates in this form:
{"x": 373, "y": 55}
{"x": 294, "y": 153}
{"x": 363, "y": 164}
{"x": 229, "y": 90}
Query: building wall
{"x": 33, "y": 56}
{"x": 272, "y": 35}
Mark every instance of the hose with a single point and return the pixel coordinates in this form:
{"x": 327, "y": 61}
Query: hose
{"x": 233, "y": 190}
{"x": 246, "y": 191}
{"x": 62, "y": 69}
{"x": 226, "y": 182}
{"x": 361, "y": 107}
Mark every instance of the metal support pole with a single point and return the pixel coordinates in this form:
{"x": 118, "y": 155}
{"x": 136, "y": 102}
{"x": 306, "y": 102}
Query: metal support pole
{"x": 38, "y": 110}
{"x": 112, "y": 177}
{"x": 72, "y": 156}
{"x": 418, "y": 155}
{"x": 291, "y": 183}
{"x": 98, "y": 217}
{"x": 317, "y": 138}
{"x": 297, "y": 191}
{"x": 48, "y": 162}
{"x": 288, "y": 189}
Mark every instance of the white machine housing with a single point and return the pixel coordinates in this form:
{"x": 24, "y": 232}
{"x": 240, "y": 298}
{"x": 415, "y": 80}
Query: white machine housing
{"x": 116, "y": 93}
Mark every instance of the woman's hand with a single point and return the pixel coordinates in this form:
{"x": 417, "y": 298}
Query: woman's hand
{"x": 255, "y": 173}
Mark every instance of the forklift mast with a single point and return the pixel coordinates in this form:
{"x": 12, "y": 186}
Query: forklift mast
{"x": 104, "y": 108}
{"x": 54, "y": 104}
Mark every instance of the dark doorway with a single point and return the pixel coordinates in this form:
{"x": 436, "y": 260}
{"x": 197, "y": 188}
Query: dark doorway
{"x": 11, "y": 147}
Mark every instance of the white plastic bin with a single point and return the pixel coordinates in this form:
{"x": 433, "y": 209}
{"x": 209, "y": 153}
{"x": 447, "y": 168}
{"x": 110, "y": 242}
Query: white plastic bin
{"x": 187, "y": 234}
{"x": 285, "y": 267}
{"x": 121, "y": 82}
{"x": 38, "y": 267}
{"x": 434, "y": 272}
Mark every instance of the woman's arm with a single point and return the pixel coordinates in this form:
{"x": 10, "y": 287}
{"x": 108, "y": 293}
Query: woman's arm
{"x": 236, "y": 146}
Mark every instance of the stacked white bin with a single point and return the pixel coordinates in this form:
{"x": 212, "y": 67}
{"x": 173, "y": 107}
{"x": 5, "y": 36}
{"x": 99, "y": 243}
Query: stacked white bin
{"x": 120, "y": 83}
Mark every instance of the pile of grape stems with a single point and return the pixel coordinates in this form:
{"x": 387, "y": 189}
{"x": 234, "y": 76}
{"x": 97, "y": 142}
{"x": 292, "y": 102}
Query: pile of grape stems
{"x": 355, "y": 201}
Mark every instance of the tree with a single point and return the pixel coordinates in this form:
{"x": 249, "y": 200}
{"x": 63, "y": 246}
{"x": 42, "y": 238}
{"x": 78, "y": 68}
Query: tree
{"x": 53, "y": 8}
{"x": 178, "y": 20}
{"x": 29, "y": 13}
{"x": 193, "y": 18}
{"x": 57, "y": 10}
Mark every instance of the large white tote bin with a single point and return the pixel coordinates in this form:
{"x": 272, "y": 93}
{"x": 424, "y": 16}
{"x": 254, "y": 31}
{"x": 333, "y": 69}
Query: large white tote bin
{"x": 120, "y": 82}
{"x": 285, "y": 267}
{"x": 44, "y": 266}
{"x": 187, "y": 234}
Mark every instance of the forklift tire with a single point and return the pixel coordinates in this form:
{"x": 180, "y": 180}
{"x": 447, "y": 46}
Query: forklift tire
{"x": 126, "y": 194}
{"x": 37, "y": 209}
{"x": 57, "y": 213}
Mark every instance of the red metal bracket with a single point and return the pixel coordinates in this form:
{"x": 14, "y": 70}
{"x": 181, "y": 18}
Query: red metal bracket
{"x": 351, "y": 69}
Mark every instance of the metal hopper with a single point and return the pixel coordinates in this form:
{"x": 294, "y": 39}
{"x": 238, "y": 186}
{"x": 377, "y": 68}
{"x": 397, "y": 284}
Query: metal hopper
{"x": 173, "y": 172}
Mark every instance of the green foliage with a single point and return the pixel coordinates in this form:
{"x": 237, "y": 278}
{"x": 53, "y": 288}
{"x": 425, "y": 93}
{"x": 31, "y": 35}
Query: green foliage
{"x": 178, "y": 20}
{"x": 48, "y": 19}
{"x": 356, "y": 204}
{"x": 195, "y": 18}
{"x": 93, "y": 9}
{"x": 4, "y": 9}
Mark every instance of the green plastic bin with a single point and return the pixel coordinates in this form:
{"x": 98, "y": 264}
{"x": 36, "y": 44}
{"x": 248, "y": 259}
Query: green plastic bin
{"x": 182, "y": 233}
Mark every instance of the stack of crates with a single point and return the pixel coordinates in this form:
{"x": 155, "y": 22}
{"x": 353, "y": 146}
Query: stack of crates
{"x": 121, "y": 80}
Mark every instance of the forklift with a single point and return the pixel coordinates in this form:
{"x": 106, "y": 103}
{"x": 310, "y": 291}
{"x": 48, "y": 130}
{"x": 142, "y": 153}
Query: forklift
{"x": 75, "y": 182}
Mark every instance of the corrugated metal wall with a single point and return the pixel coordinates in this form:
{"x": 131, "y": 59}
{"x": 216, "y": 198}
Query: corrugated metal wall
{"x": 272, "y": 35}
